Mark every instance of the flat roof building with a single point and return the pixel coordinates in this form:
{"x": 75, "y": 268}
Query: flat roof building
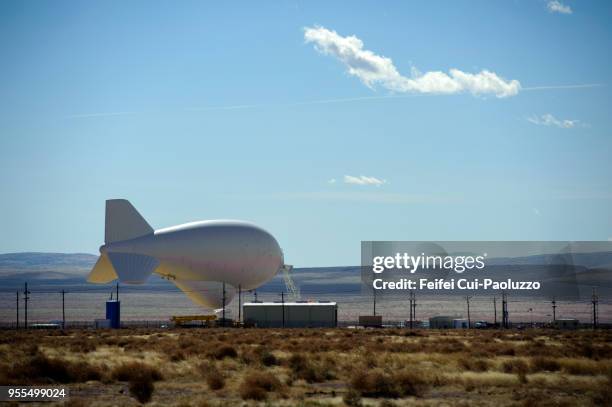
{"x": 370, "y": 321}
{"x": 566, "y": 323}
{"x": 447, "y": 322}
{"x": 299, "y": 314}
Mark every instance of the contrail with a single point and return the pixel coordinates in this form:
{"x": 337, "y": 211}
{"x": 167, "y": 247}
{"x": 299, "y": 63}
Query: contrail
{"x": 366, "y": 98}
{"x": 329, "y": 101}
{"x": 583, "y": 86}
{"x": 305, "y": 103}
{"x": 88, "y": 115}
{"x": 230, "y": 107}
{"x": 355, "y": 99}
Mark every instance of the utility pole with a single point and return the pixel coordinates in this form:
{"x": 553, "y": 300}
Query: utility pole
{"x": 554, "y": 307}
{"x": 414, "y": 307}
{"x": 467, "y": 300}
{"x": 63, "y": 312}
{"x": 507, "y": 313}
{"x": 595, "y": 301}
{"x": 17, "y": 325}
{"x": 25, "y": 299}
{"x": 117, "y": 292}
{"x": 411, "y": 314}
{"x": 504, "y": 310}
{"x": 283, "y": 306}
{"x": 223, "y": 312}
{"x": 494, "y": 311}
{"x": 374, "y": 297}
{"x": 239, "y": 303}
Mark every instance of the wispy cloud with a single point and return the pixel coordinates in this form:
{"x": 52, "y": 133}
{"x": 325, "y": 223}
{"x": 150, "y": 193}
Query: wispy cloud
{"x": 550, "y": 120}
{"x": 363, "y": 180}
{"x": 555, "y": 6}
{"x": 373, "y": 69}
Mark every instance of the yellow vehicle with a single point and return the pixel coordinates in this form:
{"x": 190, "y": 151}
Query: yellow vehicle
{"x": 189, "y": 319}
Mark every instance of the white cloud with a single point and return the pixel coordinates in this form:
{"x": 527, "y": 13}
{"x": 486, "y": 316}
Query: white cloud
{"x": 373, "y": 69}
{"x": 332, "y": 181}
{"x": 363, "y": 180}
{"x": 550, "y": 120}
{"x": 555, "y": 6}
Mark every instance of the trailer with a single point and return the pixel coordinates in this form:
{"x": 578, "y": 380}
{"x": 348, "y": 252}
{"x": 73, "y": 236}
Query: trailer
{"x": 299, "y": 314}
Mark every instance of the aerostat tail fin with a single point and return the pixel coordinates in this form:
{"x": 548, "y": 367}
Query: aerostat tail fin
{"x": 128, "y": 268}
{"x": 103, "y": 272}
{"x": 123, "y": 222}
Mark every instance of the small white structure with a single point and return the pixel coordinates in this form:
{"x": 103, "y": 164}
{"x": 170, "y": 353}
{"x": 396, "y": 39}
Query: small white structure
{"x": 460, "y": 323}
{"x": 102, "y": 323}
{"x": 300, "y": 314}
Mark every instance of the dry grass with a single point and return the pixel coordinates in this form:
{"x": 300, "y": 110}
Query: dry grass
{"x": 256, "y": 385}
{"x": 141, "y": 379}
{"x": 211, "y": 374}
{"x": 378, "y": 383}
{"x": 129, "y": 371}
{"x": 37, "y": 368}
{"x": 315, "y": 366}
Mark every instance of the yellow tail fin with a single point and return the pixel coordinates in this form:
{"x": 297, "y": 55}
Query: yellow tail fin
{"x": 103, "y": 271}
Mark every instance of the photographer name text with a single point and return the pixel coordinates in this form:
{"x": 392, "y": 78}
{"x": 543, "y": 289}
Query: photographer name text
{"x": 453, "y": 284}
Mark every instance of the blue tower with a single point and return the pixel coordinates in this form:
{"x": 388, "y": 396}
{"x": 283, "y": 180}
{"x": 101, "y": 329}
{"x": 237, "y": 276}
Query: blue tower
{"x": 113, "y": 313}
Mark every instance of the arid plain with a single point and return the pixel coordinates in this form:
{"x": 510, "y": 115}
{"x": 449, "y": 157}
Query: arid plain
{"x": 314, "y": 367}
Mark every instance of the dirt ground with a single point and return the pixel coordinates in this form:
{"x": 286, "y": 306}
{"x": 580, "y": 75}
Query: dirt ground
{"x": 313, "y": 367}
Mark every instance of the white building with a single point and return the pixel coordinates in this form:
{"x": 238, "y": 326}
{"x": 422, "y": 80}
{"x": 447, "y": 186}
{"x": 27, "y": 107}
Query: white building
{"x": 300, "y": 314}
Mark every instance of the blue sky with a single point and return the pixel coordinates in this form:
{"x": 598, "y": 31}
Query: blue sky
{"x": 199, "y": 110}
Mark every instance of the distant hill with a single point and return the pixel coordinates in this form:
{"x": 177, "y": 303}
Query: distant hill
{"x": 588, "y": 260}
{"x": 71, "y": 269}
{"x": 52, "y": 265}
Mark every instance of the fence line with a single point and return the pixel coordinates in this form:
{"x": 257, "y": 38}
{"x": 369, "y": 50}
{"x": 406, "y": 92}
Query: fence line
{"x": 46, "y": 305}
